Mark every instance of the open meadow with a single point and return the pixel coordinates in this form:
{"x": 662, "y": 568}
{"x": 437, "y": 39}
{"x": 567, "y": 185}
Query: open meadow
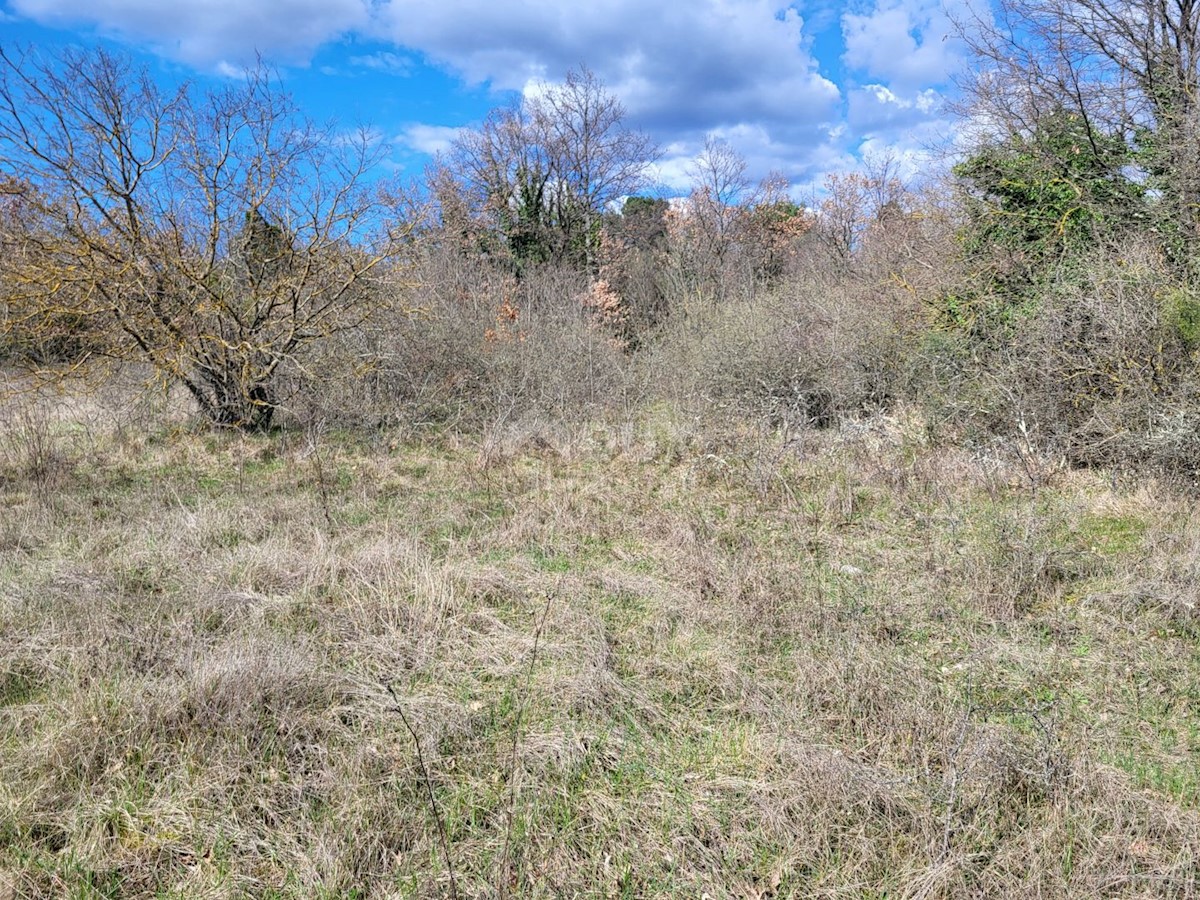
{"x": 760, "y": 461}
{"x": 639, "y": 658}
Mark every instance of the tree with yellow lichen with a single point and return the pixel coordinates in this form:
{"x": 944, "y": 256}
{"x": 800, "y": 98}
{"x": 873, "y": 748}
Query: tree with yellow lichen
{"x": 212, "y": 235}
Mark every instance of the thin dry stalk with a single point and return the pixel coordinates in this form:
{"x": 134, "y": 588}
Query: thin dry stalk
{"x": 512, "y": 758}
{"x": 314, "y": 450}
{"x": 960, "y": 742}
{"x": 433, "y": 804}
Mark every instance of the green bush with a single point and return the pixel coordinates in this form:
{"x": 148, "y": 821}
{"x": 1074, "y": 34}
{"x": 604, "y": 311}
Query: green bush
{"x": 1181, "y": 313}
{"x": 1097, "y": 367}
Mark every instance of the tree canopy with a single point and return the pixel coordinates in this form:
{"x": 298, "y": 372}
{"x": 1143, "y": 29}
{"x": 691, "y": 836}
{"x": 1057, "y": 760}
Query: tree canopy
{"x": 213, "y": 235}
{"x": 544, "y": 171}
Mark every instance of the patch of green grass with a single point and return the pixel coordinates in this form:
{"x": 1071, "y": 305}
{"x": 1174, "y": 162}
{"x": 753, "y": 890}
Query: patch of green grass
{"x": 210, "y": 484}
{"x": 264, "y": 467}
{"x": 143, "y": 578}
{"x": 1113, "y": 536}
{"x": 226, "y": 538}
{"x": 20, "y": 684}
{"x": 1179, "y": 780}
{"x": 551, "y": 561}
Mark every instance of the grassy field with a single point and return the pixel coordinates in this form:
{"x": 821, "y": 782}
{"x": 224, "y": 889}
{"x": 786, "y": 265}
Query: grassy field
{"x": 639, "y": 660}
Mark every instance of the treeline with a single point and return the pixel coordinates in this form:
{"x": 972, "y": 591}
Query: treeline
{"x": 1043, "y": 292}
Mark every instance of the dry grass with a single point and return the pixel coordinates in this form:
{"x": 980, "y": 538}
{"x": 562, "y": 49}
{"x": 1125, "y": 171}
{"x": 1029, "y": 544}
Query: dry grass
{"x": 845, "y": 665}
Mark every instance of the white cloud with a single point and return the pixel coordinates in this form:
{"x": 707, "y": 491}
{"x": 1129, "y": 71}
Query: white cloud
{"x": 206, "y": 33}
{"x": 724, "y": 61}
{"x": 384, "y": 61}
{"x": 907, "y": 53}
{"x": 741, "y": 69}
{"x": 876, "y": 106}
{"x": 908, "y": 43}
{"x": 913, "y": 128}
{"x": 720, "y": 66}
{"x": 763, "y": 154}
{"x": 429, "y": 139}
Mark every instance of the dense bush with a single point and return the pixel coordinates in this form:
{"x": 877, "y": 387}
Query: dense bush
{"x": 1037, "y": 299}
{"x": 805, "y": 352}
{"x": 475, "y": 347}
{"x": 1096, "y": 365}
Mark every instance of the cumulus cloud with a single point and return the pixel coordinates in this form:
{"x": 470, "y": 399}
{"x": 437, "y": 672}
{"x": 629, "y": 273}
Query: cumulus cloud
{"x": 914, "y": 128}
{"x": 906, "y": 53}
{"x": 876, "y": 107}
{"x": 207, "y": 33}
{"x": 429, "y": 139}
{"x": 906, "y": 43}
{"x": 724, "y": 65}
{"x": 724, "y": 58}
{"x": 740, "y": 69}
{"x": 764, "y": 154}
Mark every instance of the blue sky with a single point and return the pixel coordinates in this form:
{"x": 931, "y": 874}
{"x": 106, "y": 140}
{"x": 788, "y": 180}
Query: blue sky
{"x": 804, "y": 89}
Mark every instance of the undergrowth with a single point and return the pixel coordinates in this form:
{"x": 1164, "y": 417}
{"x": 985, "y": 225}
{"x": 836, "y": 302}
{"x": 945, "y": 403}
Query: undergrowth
{"x": 655, "y": 659}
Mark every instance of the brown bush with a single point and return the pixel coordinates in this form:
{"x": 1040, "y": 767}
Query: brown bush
{"x": 807, "y": 352}
{"x": 483, "y": 347}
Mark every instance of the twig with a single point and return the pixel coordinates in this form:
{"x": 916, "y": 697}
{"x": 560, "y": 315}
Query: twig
{"x": 433, "y": 804}
{"x": 950, "y": 801}
{"x": 512, "y": 759}
{"x": 314, "y": 438}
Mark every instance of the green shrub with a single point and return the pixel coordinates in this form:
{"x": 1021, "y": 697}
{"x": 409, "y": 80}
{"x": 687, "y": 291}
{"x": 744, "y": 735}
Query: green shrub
{"x": 1181, "y": 313}
{"x": 1097, "y": 366}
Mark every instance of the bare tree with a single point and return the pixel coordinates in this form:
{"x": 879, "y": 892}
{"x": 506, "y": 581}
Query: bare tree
{"x": 507, "y": 169}
{"x": 732, "y": 235}
{"x": 774, "y": 228}
{"x": 1127, "y": 69}
{"x": 856, "y": 202}
{"x": 548, "y": 168}
{"x": 213, "y": 236}
{"x": 596, "y": 160}
{"x": 720, "y": 188}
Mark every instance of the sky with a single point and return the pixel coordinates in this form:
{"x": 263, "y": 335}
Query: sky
{"x": 803, "y": 89}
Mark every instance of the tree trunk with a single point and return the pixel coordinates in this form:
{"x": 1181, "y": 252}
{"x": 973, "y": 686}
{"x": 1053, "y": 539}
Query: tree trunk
{"x": 228, "y": 403}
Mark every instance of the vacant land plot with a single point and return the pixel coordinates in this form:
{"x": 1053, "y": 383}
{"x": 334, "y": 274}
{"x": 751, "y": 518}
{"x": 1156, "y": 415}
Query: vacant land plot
{"x": 631, "y": 660}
